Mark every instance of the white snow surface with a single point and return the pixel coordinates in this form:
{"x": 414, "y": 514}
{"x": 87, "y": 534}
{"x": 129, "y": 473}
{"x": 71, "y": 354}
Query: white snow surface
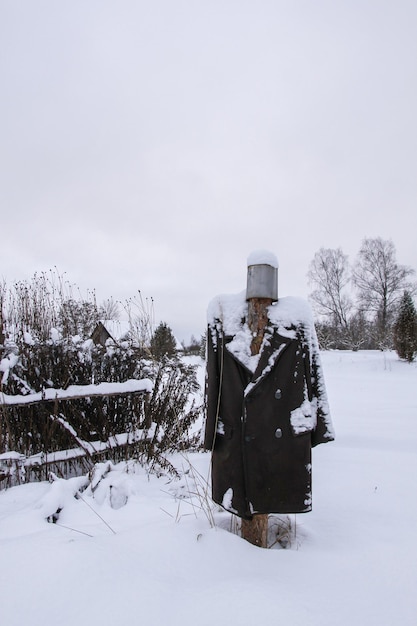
{"x": 262, "y": 257}
{"x": 153, "y": 558}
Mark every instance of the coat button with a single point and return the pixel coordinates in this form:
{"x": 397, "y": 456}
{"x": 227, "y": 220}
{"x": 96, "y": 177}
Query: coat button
{"x": 278, "y": 433}
{"x": 278, "y": 394}
{"x": 248, "y": 438}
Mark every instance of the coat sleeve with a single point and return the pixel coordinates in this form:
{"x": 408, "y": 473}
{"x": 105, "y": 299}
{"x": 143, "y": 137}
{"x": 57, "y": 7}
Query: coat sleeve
{"x": 212, "y": 388}
{"x": 324, "y": 428}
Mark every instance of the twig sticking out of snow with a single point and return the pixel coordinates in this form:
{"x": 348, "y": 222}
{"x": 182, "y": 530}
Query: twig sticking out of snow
{"x": 79, "y": 496}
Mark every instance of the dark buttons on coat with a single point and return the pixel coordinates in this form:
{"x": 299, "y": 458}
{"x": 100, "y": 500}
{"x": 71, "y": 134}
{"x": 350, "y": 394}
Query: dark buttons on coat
{"x": 278, "y": 433}
{"x": 278, "y": 394}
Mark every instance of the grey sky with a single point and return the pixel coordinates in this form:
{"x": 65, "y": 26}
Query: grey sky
{"x": 153, "y": 145}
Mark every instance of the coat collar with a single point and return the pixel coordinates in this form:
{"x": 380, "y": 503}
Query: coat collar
{"x": 272, "y": 347}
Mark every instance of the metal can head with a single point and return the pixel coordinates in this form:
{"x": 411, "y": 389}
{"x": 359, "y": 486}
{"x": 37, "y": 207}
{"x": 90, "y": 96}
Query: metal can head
{"x": 262, "y": 279}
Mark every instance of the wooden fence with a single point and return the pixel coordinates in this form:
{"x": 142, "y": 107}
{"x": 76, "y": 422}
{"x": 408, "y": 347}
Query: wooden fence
{"x": 17, "y": 468}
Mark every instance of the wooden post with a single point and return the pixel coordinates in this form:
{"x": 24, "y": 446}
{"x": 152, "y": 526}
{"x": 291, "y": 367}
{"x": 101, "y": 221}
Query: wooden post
{"x": 256, "y": 530}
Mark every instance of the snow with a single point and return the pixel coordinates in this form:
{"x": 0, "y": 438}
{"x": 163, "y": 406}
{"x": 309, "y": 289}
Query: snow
{"x": 55, "y": 336}
{"x": 227, "y": 499}
{"x": 28, "y": 339}
{"x": 291, "y": 311}
{"x": 227, "y": 314}
{"x": 132, "y": 385}
{"x": 240, "y": 347}
{"x": 304, "y": 418}
{"x": 6, "y": 364}
{"x": 135, "y": 548}
{"x": 12, "y": 455}
{"x": 231, "y": 309}
{"x": 262, "y": 257}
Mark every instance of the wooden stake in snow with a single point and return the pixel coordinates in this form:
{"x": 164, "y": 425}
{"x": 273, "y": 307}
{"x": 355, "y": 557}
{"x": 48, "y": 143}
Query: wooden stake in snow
{"x": 256, "y": 530}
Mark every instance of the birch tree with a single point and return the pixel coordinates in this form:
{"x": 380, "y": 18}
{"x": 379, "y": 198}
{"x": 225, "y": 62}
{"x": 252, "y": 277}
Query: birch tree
{"x": 380, "y": 282}
{"x": 329, "y": 274}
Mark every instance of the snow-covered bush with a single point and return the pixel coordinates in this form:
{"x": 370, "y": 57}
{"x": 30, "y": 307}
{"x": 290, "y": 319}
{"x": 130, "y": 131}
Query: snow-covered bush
{"x": 32, "y": 362}
{"x": 139, "y": 427}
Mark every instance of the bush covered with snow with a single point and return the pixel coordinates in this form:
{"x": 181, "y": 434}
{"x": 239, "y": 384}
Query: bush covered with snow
{"x": 47, "y": 350}
{"x": 151, "y": 424}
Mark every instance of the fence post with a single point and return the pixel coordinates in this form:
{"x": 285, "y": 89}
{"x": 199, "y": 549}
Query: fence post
{"x": 256, "y": 530}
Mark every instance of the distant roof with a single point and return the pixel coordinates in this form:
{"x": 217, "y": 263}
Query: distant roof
{"x": 116, "y": 328}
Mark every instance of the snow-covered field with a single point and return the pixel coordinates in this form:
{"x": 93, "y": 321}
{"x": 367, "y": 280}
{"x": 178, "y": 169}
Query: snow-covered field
{"x": 141, "y": 552}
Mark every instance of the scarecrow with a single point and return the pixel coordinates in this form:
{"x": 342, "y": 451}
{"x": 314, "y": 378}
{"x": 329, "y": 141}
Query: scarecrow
{"x": 266, "y": 403}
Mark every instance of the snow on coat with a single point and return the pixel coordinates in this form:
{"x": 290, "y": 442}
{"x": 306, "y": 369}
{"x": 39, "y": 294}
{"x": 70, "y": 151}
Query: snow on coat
{"x": 265, "y": 412}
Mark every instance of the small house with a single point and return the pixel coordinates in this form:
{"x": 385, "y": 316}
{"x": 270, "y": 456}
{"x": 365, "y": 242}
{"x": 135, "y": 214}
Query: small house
{"x": 114, "y": 330}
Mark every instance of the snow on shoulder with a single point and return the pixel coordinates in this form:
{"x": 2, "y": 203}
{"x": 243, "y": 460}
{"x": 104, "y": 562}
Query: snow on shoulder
{"x": 230, "y": 310}
{"x": 291, "y": 311}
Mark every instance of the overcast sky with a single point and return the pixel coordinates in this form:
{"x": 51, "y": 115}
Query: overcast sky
{"x": 152, "y": 145}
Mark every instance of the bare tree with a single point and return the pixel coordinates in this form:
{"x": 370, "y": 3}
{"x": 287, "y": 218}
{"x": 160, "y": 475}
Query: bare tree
{"x": 329, "y": 274}
{"x": 380, "y": 282}
{"x": 140, "y": 314}
{"x": 109, "y": 310}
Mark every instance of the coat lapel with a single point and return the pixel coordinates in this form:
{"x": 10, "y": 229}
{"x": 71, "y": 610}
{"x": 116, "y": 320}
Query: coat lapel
{"x": 273, "y": 346}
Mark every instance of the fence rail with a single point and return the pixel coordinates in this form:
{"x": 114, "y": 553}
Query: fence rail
{"x": 77, "y": 392}
{"x": 17, "y": 468}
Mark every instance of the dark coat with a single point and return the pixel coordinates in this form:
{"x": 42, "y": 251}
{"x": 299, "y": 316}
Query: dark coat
{"x": 262, "y": 425}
